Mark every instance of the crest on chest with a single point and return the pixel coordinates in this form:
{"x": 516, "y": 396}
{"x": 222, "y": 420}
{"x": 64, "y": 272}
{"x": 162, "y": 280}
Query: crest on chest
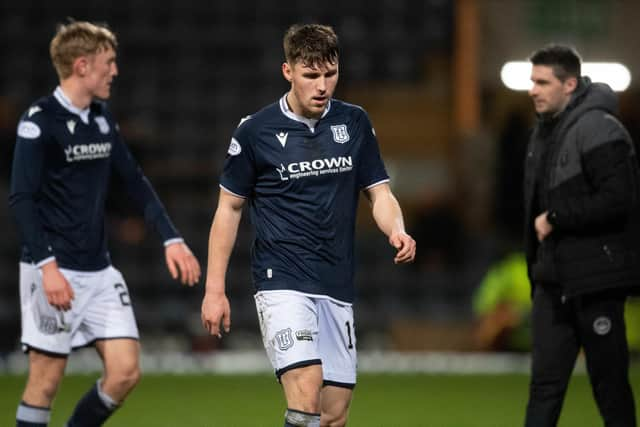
{"x": 340, "y": 133}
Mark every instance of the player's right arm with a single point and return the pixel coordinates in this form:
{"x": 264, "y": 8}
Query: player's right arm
{"x": 222, "y": 237}
{"x": 56, "y": 287}
{"x": 26, "y": 186}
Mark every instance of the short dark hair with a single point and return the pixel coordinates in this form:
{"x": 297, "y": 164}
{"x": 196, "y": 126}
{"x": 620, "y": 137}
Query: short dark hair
{"x": 310, "y": 44}
{"x": 564, "y": 60}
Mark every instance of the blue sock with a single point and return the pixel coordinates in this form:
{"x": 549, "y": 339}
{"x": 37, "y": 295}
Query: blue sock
{"x": 32, "y": 416}
{"x": 294, "y": 418}
{"x": 93, "y": 409}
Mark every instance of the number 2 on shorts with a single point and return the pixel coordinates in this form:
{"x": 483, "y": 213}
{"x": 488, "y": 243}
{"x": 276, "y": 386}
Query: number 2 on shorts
{"x": 124, "y": 295}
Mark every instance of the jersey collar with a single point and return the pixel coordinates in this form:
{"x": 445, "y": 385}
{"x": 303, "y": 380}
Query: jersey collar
{"x": 66, "y": 103}
{"x": 311, "y": 123}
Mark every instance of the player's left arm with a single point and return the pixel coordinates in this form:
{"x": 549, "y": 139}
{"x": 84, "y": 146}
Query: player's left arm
{"x": 388, "y": 216}
{"x": 181, "y": 262}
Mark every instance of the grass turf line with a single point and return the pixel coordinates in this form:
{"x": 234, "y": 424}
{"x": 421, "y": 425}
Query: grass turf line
{"x": 384, "y": 400}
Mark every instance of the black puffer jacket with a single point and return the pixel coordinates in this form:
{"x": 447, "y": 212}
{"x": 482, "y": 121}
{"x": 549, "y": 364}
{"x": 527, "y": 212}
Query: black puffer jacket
{"x": 589, "y": 182}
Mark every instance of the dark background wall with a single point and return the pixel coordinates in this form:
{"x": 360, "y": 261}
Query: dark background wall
{"x": 189, "y": 70}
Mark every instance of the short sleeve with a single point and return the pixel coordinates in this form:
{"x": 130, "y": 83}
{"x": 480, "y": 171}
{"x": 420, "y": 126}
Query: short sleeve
{"x": 371, "y": 169}
{"x": 239, "y": 172}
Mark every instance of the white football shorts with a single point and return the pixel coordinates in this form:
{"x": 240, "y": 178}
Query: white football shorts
{"x": 301, "y": 330}
{"x": 101, "y": 309}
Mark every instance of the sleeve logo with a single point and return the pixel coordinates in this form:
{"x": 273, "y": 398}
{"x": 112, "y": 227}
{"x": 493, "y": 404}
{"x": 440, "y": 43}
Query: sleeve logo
{"x": 28, "y": 130}
{"x": 234, "y": 147}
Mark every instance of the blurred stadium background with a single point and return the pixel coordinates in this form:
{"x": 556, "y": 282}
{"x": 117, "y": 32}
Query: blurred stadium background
{"x": 452, "y": 135}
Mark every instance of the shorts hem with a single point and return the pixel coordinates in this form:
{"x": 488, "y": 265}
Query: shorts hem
{"x": 296, "y": 365}
{"x": 350, "y": 386}
{"x": 26, "y": 348}
{"x": 93, "y": 341}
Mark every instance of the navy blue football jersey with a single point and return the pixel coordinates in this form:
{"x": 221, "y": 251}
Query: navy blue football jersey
{"x": 302, "y": 179}
{"x": 61, "y": 168}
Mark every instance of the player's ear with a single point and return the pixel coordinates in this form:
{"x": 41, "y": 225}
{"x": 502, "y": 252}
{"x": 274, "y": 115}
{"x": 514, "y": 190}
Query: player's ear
{"x": 287, "y": 72}
{"x": 80, "y": 66}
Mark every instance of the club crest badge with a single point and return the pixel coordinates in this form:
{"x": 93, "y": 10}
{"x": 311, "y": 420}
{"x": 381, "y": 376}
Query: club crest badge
{"x": 602, "y": 325}
{"x": 340, "y": 134}
{"x": 102, "y": 125}
{"x": 284, "y": 339}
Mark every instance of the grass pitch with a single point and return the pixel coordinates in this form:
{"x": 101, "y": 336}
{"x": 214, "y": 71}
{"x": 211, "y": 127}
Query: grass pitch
{"x": 417, "y": 400}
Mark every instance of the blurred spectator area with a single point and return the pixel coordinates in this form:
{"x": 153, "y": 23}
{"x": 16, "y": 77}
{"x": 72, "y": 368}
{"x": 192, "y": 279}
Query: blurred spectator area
{"x": 189, "y": 70}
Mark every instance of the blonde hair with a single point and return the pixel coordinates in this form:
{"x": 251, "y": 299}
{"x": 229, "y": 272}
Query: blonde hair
{"x": 76, "y": 39}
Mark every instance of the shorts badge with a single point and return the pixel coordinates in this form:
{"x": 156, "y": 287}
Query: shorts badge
{"x": 284, "y": 338}
{"x": 304, "y": 335}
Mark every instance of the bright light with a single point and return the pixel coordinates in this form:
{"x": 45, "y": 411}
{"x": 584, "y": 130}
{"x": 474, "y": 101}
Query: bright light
{"x": 516, "y": 75}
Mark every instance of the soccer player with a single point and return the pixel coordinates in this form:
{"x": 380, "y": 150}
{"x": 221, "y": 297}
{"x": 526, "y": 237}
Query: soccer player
{"x": 301, "y": 162}
{"x": 71, "y": 296}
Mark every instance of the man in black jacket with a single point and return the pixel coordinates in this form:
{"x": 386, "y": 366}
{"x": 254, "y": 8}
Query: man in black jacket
{"x": 581, "y": 238}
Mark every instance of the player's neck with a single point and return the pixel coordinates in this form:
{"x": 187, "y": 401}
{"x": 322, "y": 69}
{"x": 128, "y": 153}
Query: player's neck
{"x": 78, "y": 96}
{"x": 296, "y": 109}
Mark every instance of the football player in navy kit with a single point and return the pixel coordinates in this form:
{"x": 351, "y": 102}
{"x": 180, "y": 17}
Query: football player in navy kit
{"x": 301, "y": 163}
{"x": 71, "y": 296}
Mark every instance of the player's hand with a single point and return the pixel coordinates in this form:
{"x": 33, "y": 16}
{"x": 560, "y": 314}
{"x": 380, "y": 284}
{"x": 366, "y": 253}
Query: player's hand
{"x": 405, "y": 245}
{"x": 543, "y": 228}
{"x": 56, "y": 287}
{"x": 215, "y": 309}
{"x": 182, "y": 264}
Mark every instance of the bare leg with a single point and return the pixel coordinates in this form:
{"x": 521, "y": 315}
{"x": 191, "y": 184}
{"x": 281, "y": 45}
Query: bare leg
{"x": 121, "y": 366}
{"x": 335, "y": 406}
{"x": 45, "y": 374}
{"x": 302, "y": 391}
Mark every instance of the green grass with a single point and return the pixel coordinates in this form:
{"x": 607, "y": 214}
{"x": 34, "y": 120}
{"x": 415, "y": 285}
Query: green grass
{"x": 380, "y": 400}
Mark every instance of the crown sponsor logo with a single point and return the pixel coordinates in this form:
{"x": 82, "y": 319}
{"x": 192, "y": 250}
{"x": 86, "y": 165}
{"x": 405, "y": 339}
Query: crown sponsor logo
{"x": 317, "y": 167}
{"x": 99, "y": 150}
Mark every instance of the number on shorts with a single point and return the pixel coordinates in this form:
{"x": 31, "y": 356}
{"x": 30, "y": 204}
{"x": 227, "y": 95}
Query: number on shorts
{"x": 124, "y": 295}
{"x": 350, "y": 346}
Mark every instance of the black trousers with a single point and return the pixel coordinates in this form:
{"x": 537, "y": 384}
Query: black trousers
{"x": 596, "y": 324}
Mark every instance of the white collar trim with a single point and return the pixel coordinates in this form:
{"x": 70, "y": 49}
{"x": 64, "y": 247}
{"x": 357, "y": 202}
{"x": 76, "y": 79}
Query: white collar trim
{"x": 311, "y": 123}
{"x": 66, "y": 103}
